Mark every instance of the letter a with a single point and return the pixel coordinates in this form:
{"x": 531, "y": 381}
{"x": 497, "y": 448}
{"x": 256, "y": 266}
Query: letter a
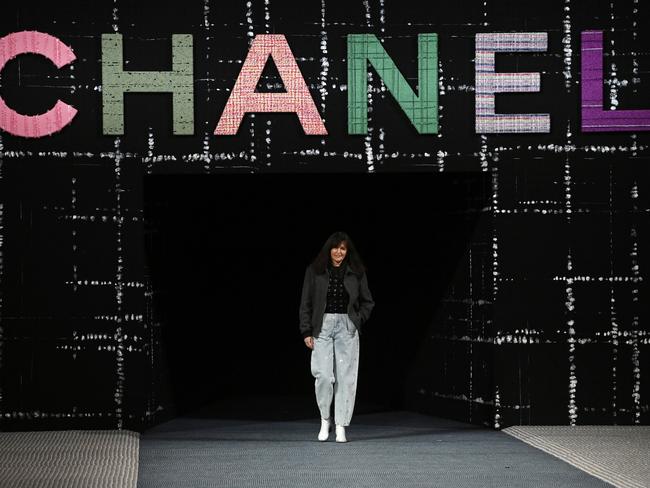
{"x": 244, "y": 99}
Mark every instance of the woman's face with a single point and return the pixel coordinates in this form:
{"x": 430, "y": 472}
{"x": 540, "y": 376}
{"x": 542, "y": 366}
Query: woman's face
{"x": 338, "y": 253}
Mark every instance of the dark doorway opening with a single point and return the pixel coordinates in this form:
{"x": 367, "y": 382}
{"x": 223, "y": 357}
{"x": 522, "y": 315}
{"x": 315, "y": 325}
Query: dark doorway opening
{"x": 227, "y": 253}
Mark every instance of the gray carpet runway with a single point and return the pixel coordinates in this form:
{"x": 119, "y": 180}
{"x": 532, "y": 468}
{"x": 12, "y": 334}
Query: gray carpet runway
{"x": 617, "y": 454}
{"x": 388, "y": 449}
{"x": 69, "y": 459}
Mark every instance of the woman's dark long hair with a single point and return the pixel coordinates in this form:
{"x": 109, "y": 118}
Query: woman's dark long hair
{"x": 352, "y": 257}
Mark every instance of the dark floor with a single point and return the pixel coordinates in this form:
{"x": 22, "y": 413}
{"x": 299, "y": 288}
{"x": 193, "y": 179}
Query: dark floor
{"x": 272, "y": 442}
{"x": 269, "y": 407}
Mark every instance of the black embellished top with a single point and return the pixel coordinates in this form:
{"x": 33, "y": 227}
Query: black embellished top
{"x": 337, "y": 295}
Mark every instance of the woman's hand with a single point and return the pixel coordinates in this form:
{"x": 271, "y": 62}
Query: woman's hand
{"x": 309, "y": 342}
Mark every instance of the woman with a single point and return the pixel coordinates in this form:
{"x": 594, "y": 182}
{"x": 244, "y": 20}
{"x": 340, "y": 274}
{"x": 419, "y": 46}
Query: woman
{"x": 335, "y": 303}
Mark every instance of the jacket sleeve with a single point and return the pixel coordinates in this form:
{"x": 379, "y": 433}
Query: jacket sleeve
{"x": 366, "y": 303}
{"x": 306, "y": 304}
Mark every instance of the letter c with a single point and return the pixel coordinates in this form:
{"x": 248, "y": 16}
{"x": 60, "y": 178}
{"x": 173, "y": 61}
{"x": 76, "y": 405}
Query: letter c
{"x": 56, "y": 51}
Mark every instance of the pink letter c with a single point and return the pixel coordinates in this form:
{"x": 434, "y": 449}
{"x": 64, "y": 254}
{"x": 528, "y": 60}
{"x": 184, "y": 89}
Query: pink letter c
{"x": 56, "y": 51}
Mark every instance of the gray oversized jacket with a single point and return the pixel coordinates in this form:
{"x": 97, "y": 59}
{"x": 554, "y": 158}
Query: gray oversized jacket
{"x": 314, "y": 298}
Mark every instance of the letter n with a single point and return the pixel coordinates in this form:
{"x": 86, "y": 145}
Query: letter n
{"x": 422, "y": 109}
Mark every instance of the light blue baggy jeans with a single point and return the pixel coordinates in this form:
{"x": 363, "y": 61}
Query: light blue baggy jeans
{"x": 335, "y": 365}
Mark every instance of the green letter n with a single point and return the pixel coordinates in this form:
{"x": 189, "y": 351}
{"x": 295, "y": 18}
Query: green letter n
{"x": 179, "y": 82}
{"x": 421, "y": 110}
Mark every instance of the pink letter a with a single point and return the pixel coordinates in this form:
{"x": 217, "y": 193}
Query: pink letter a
{"x": 244, "y": 99}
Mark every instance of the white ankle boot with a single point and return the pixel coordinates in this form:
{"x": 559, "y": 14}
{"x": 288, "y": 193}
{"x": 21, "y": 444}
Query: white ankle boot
{"x": 324, "y": 430}
{"x": 340, "y": 434}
